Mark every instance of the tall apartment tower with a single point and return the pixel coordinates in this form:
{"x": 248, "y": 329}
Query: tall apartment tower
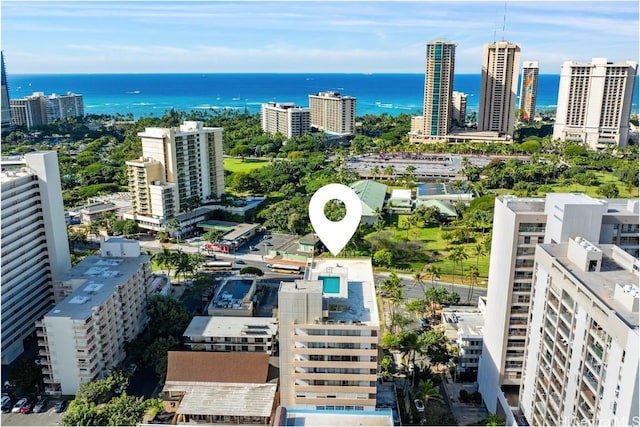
{"x": 594, "y": 102}
{"x": 35, "y": 249}
{"x": 438, "y": 87}
{"x": 498, "y": 87}
{"x": 522, "y": 224}
{"x": 180, "y": 167}
{"x": 63, "y": 106}
{"x": 333, "y": 113}
{"x": 459, "y": 108}
{"x": 30, "y": 111}
{"x": 529, "y": 90}
{"x": 285, "y": 118}
{"x": 85, "y": 333}
{"x": 581, "y": 365}
{"x": 329, "y": 331}
{"x": 4, "y": 96}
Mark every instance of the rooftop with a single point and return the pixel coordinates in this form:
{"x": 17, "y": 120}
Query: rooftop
{"x": 371, "y": 194}
{"x": 214, "y": 326}
{"x": 217, "y": 367}
{"x": 312, "y": 417}
{"x": 235, "y": 292}
{"x": 468, "y": 321}
{"x": 99, "y": 278}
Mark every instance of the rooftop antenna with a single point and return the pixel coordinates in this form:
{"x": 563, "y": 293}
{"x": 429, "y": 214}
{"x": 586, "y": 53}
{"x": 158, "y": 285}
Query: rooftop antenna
{"x": 494, "y": 28}
{"x": 504, "y": 19}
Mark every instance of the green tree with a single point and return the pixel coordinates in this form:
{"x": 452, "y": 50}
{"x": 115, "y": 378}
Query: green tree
{"x": 494, "y": 420}
{"x": 472, "y": 274}
{"x": 82, "y": 412}
{"x": 164, "y": 259}
{"x": 25, "y": 374}
{"x": 125, "y": 410}
{"x": 428, "y": 391}
{"x": 156, "y": 354}
{"x": 608, "y": 190}
{"x": 252, "y": 270}
{"x": 167, "y": 317}
{"x": 383, "y": 257}
{"x": 434, "y": 272}
{"x": 213, "y": 236}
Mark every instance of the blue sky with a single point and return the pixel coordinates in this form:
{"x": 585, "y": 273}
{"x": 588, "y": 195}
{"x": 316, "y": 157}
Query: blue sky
{"x": 304, "y": 36}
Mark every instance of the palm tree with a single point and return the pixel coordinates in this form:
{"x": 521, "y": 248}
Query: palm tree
{"x": 472, "y": 274}
{"x": 375, "y": 171}
{"x": 184, "y": 264}
{"x": 165, "y": 259}
{"x": 434, "y": 271}
{"x": 478, "y": 251}
{"x": 457, "y": 254}
{"x": 427, "y": 390}
{"x": 418, "y": 279}
{"x": 389, "y": 171}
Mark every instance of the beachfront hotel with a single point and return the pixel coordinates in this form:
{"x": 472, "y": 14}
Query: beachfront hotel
{"x": 498, "y": 87}
{"x": 35, "y": 249}
{"x": 581, "y": 365}
{"x": 333, "y": 113}
{"x": 180, "y": 167}
{"x": 594, "y": 102}
{"x": 329, "y": 332}
{"x": 38, "y": 109}
{"x": 529, "y": 90}
{"x": 521, "y": 224}
{"x": 435, "y": 121}
{"x": 285, "y": 118}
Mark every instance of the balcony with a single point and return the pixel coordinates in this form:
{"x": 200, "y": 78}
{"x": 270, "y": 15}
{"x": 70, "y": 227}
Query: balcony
{"x": 591, "y": 382}
{"x": 597, "y": 350}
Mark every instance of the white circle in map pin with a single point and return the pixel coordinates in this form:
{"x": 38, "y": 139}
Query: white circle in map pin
{"x": 335, "y": 235}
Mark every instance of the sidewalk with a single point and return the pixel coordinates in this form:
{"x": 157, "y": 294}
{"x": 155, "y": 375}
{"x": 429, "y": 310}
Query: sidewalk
{"x": 465, "y": 413}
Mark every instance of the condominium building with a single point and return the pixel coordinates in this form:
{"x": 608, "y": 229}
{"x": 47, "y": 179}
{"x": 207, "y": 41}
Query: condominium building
{"x": 328, "y": 338}
{"x": 333, "y": 113}
{"x": 459, "y": 108}
{"x": 84, "y": 335}
{"x": 285, "y": 119}
{"x": 594, "y": 102}
{"x": 30, "y": 111}
{"x": 63, "y": 106}
{"x": 35, "y": 249}
{"x": 581, "y": 365}
{"x": 438, "y": 88}
{"x": 180, "y": 168}
{"x": 4, "y": 96}
{"x": 215, "y": 333}
{"x": 528, "y": 91}
{"x": 520, "y": 225}
{"x": 498, "y": 87}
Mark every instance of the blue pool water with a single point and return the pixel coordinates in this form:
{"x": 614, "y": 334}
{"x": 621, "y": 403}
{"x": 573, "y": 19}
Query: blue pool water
{"x": 330, "y": 284}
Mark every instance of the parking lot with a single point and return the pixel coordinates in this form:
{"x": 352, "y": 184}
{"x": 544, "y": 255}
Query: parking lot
{"x": 48, "y": 418}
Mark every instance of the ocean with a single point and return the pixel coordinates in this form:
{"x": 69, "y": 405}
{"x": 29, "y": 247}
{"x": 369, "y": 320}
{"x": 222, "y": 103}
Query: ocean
{"x": 153, "y": 94}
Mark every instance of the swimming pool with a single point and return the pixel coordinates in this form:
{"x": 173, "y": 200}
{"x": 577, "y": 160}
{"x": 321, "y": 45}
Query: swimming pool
{"x": 330, "y": 284}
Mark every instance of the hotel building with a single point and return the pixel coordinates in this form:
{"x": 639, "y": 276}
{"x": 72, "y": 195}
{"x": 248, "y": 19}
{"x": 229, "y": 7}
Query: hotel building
{"x": 329, "y": 332}
{"x": 438, "y": 88}
{"x": 529, "y": 91}
{"x": 84, "y": 334}
{"x": 180, "y": 168}
{"x": 4, "y": 96}
{"x": 523, "y": 224}
{"x": 581, "y": 365}
{"x": 498, "y": 87}
{"x": 285, "y": 119}
{"x": 38, "y": 109}
{"x": 594, "y": 102}
{"x": 63, "y": 106}
{"x": 35, "y": 249}
{"x": 459, "y": 108}
{"x": 333, "y": 113}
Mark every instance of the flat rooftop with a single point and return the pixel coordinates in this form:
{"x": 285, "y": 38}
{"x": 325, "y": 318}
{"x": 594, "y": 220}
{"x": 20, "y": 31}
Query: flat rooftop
{"x": 311, "y": 417}
{"x": 523, "y": 204}
{"x": 361, "y": 300}
{"x": 469, "y": 321}
{"x": 601, "y": 283}
{"x": 99, "y": 278}
{"x": 215, "y": 326}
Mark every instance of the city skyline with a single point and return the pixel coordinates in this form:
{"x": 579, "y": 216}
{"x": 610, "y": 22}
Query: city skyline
{"x": 303, "y": 36}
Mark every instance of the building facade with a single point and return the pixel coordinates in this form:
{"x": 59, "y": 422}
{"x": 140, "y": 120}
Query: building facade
{"x": 35, "y": 249}
{"x": 240, "y": 334}
{"x": 30, "y": 111}
{"x": 329, "y": 332}
{"x": 528, "y": 91}
{"x": 498, "y": 87}
{"x": 438, "y": 89}
{"x": 459, "y": 108}
{"x": 63, "y": 106}
{"x": 582, "y": 368}
{"x": 84, "y": 334}
{"x": 180, "y": 168}
{"x": 594, "y": 102}
{"x": 285, "y": 119}
{"x": 523, "y": 224}
{"x": 4, "y": 96}
{"x": 333, "y": 113}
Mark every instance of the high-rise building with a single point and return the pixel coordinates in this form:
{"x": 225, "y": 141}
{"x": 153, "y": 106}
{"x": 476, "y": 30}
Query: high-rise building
{"x": 285, "y": 118}
{"x": 520, "y": 225}
{"x": 459, "y": 108}
{"x": 438, "y": 88}
{"x": 581, "y": 364}
{"x": 594, "y": 102}
{"x": 333, "y": 113}
{"x": 63, "y": 106}
{"x": 498, "y": 87}
{"x": 84, "y": 334}
{"x": 329, "y": 332}
{"x": 4, "y": 96}
{"x": 35, "y": 249}
{"x": 30, "y": 111}
{"x": 529, "y": 90}
{"x": 180, "y": 168}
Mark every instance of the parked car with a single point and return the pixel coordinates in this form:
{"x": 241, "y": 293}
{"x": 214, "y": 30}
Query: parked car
{"x": 28, "y": 407}
{"x": 61, "y": 405}
{"x": 41, "y": 406}
{"x": 419, "y": 405}
{"x": 7, "y": 403}
{"x": 19, "y": 404}
{"x": 240, "y": 261}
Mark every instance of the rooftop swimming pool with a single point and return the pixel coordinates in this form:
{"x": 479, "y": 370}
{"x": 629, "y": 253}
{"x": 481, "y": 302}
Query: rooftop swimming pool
{"x": 330, "y": 284}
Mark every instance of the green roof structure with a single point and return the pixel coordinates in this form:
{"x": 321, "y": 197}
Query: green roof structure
{"x": 445, "y": 208}
{"x": 372, "y": 195}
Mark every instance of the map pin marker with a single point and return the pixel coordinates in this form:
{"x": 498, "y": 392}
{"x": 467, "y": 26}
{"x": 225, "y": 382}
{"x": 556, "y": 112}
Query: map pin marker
{"x": 335, "y": 235}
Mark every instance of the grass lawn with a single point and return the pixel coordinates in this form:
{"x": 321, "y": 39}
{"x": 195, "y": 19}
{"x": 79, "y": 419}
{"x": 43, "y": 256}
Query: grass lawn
{"x": 237, "y": 165}
{"x": 603, "y": 178}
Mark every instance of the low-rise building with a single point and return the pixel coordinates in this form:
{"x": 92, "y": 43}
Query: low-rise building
{"x": 239, "y": 334}
{"x": 400, "y": 201}
{"x": 464, "y": 326}
{"x": 372, "y": 195}
{"x": 443, "y": 191}
{"x": 92, "y": 212}
{"x": 234, "y": 234}
{"x": 235, "y": 298}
